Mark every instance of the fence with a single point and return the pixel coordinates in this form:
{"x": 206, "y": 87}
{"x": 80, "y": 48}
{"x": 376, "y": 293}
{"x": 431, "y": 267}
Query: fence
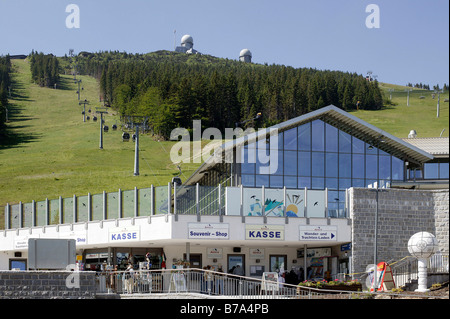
{"x": 200, "y": 281}
{"x": 187, "y": 200}
{"x": 406, "y": 271}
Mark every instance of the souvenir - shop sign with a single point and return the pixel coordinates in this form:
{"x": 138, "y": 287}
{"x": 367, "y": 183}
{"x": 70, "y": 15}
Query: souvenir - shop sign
{"x": 123, "y": 234}
{"x": 318, "y": 233}
{"x": 208, "y": 231}
{"x": 264, "y": 232}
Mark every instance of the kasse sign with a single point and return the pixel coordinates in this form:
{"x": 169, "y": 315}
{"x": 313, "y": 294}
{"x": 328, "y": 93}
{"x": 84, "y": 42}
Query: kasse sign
{"x": 264, "y": 232}
{"x": 121, "y": 234}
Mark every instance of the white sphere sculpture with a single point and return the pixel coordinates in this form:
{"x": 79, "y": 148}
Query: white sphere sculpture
{"x": 422, "y": 245}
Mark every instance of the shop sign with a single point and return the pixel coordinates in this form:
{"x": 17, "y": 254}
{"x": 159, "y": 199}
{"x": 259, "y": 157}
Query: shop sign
{"x": 80, "y": 237}
{"x": 346, "y": 247}
{"x": 256, "y": 253}
{"x": 318, "y": 233}
{"x": 264, "y": 232}
{"x": 208, "y": 231}
{"x": 122, "y": 234}
{"x": 215, "y": 253}
{"x": 21, "y": 242}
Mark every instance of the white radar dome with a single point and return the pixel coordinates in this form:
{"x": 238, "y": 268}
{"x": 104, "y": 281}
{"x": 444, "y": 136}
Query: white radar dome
{"x": 245, "y": 52}
{"x": 187, "y": 39}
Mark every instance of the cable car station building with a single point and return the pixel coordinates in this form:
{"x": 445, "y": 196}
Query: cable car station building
{"x": 304, "y": 194}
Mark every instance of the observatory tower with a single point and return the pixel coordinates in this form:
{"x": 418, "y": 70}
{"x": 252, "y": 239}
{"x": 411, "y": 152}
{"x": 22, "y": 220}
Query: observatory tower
{"x": 187, "y": 45}
{"x": 245, "y": 56}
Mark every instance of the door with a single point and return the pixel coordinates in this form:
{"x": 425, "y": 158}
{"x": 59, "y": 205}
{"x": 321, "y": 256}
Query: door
{"x": 195, "y": 260}
{"x": 278, "y": 262}
{"x": 236, "y": 264}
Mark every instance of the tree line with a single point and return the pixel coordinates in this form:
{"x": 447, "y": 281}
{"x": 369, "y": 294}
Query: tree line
{"x": 175, "y": 88}
{"x": 44, "y": 69}
{"x": 5, "y": 82}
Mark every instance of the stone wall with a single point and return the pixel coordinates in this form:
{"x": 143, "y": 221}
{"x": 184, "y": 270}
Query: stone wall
{"x": 401, "y": 214}
{"x": 46, "y": 285}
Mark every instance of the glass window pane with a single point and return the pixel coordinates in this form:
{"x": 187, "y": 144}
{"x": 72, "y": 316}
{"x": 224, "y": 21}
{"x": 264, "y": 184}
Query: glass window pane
{"x": 304, "y": 163}
{"x": 290, "y": 163}
{"x": 304, "y": 182}
{"x": 345, "y": 165}
{"x": 370, "y": 149}
{"x": 248, "y": 180}
{"x": 276, "y": 141}
{"x": 345, "y": 142}
{"x": 128, "y": 203}
{"x": 318, "y": 138}
{"x": 371, "y": 166}
{"x": 276, "y": 181}
{"x": 431, "y": 170}
{"x": 41, "y": 215}
{"x": 262, "y": 180}
{"x": 331, "y": 141}
{"x": 345, "y": 183}
{"x": 54, "y": 211}
{"x": 331, "y": 183}
{"x": 358, "y": 183}
{"x": 97, "y": 207}
{"x": 277, "y": 165}
{"x": 318, "y": 164}
{"x": 290, "y": 181}
{"x": 358, "y": 145}
{"x": 397, "y": 169}
{"x": 68, "y": 210}
{"x": 358, "y": 166}
{"x": 385, "y": 167}
{"x": 82, "y": 207}
{"x": 318, "y": 183}
{"x": 145, "y": 201}
{"x": 443, "y": 170}
{"x": 332, "y": 164}
{"x": 247, "y": 168}
{"x": 290, "y": 139}
{"x": 112, "y": 204}
{"x": 304, "y": 137}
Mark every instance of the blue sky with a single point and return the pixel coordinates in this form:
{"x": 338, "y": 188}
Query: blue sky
{"x": 411, "y": 44}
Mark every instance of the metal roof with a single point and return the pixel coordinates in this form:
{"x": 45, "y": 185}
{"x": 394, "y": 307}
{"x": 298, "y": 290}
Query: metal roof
{"x": 437, "y": 146}
{"x": 340, "y": 119}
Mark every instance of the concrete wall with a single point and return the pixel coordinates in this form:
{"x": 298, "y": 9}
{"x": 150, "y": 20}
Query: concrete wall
{"x": 45, "y": 285}
{"x": 401, "y": 214}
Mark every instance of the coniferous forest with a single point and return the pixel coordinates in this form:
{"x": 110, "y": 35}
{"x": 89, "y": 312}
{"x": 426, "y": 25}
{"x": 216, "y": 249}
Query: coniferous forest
{"x": 173, "y": 89}
{"x": 5, "y": 82}
{"x": 44, "y": 69}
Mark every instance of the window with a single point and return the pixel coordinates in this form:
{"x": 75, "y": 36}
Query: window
{"x": 304, "y": 163}
{"x": 331, "y": 138}
{"x": 290, "y": 139}
{"x": 371, "y": 166}
{"x": 331, "y": 168}
{"x": 431, "y": 170}
{"x": 248, "y": 180}
{"x": 358, "y": 146}
{"x": 262, "y": 180}
{"x": 276, "y": 181}
{"x": 345, "y": 165}
{"x": 385, "y": 167}
{"x": 304, "y": 137}
{"x": 290, "y": 163}
{"x": 397, "y": 169}
{"x": 358, "y": 166}
{"x": 318, "y": 138}
{"x": 318, "y": 164}
{"x": 443, "y": 170}
{"x": 345, "y": 142}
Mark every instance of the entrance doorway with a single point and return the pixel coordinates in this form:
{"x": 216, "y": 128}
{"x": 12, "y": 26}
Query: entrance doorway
{"x": 278, "y": 262}
{"x": 236, "y": 264}
{"x": 195, "y": 260}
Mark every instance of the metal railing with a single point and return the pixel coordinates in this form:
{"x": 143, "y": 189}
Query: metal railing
{"x": 211, "y": 283}
{"x": 406, "y": 271}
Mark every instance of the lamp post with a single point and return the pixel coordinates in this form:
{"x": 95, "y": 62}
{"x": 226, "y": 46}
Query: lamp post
{"x": 407, "y": 98}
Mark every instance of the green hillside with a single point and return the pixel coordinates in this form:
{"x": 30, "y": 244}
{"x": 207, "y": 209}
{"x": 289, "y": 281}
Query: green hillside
{"x": 50, "y": 152}
{"x": 421, "y": 114}
{"x": 47, "y": 150}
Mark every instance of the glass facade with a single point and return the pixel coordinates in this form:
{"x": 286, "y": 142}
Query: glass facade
{"x": 317, "y": 155}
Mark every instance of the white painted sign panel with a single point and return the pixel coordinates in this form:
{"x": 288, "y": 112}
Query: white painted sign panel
{"x": 318, "y": 233}
{"x": 208, "y": 231}
{"x": 264, "y": 232}
{"x": 124, "y": 234}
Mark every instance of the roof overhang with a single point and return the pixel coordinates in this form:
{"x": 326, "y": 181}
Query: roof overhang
{"x": 333, "y": 116}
